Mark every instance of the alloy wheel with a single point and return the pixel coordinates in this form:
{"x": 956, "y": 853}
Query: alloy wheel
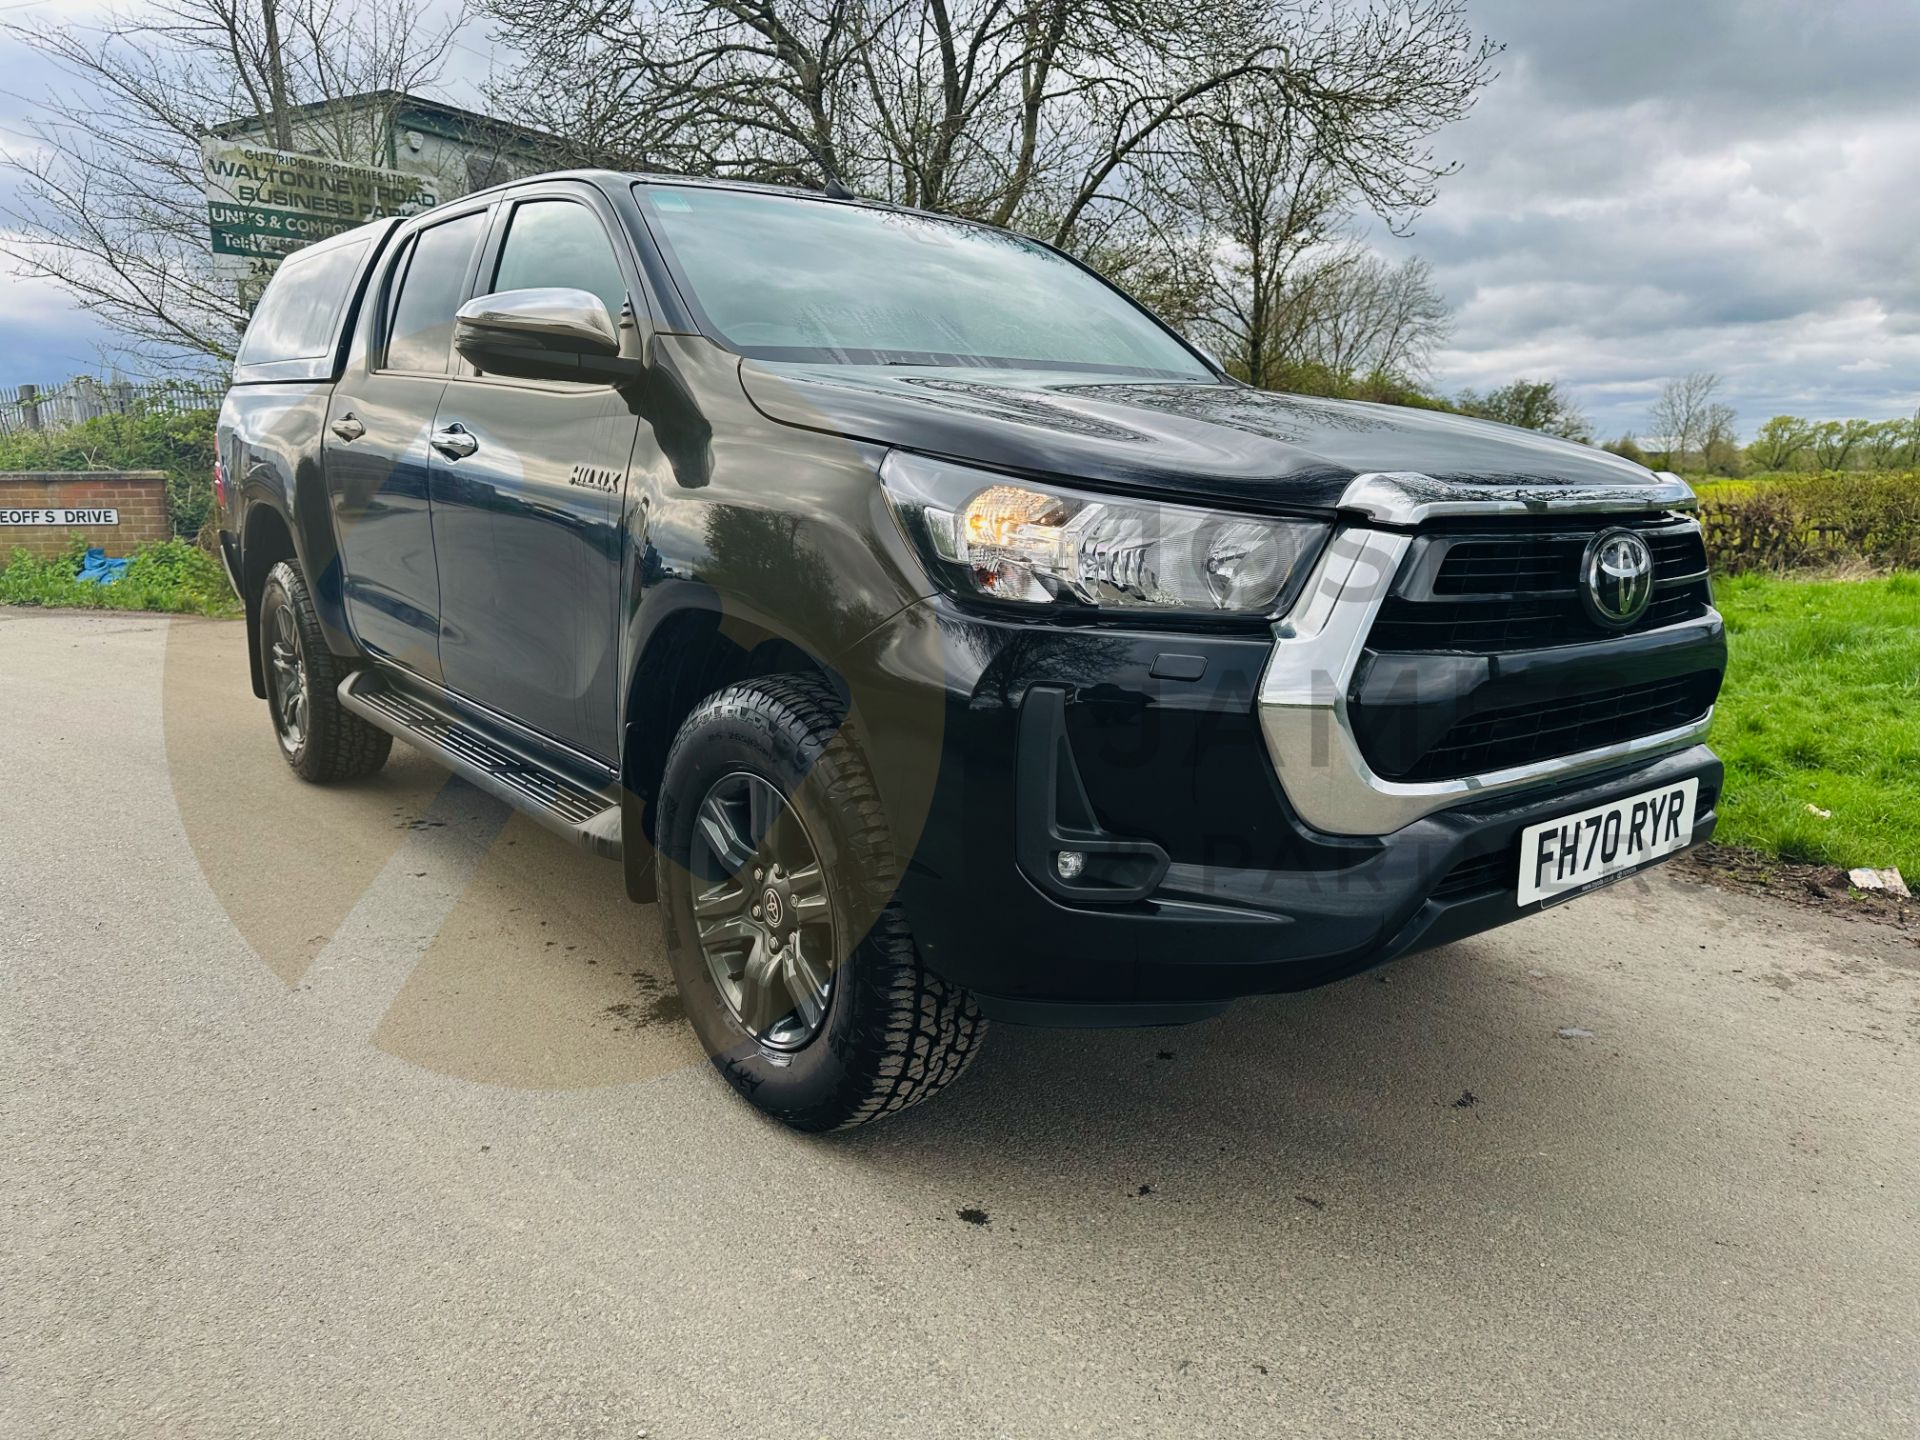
{"x": 289, "y": 688}
{"x": 761, "y": 911}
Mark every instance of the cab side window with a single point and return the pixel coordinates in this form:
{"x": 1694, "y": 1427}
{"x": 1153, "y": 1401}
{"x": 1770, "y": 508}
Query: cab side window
{"x": 558, "y": 242}
{"x": 427, "y": 290}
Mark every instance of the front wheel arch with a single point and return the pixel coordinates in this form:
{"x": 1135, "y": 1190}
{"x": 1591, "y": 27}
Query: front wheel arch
{"x": 693, "y": 653}
{"x": 894, "y": 1032}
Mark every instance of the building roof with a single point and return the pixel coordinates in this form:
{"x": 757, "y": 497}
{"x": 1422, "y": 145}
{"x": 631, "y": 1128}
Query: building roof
{"x": 414, "y": 112}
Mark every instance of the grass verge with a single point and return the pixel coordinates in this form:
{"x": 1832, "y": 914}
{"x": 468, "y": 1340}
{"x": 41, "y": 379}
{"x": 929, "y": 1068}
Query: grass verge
{"x": 1822, "y": 708}
{"x": 174, "y": 576}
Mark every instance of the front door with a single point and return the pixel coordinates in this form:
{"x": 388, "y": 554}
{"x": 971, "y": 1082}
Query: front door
{"x": 376, "y": 445}
{"x": 528, "y": 480}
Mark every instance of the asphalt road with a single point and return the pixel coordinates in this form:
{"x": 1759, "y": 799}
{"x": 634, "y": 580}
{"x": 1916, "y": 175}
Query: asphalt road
{"x": 368, "y": 1112}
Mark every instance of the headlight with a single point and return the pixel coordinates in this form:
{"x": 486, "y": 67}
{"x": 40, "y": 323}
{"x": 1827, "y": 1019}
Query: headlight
{"x": 1008, "y": 539}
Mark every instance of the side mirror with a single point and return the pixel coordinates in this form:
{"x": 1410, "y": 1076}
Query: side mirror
{"x": 546, "y": 334}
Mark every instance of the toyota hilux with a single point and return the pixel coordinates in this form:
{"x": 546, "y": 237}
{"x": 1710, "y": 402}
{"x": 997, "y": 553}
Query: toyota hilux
{"x": 936, "y": 635}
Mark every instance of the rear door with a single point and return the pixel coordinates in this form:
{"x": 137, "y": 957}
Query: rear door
{"x": 376, "y": 442}
{"x": 528, "y": 479}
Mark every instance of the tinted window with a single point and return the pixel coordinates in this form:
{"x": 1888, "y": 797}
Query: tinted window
{"x": 295, "y": 317}
{"x": 420, "y": 329}
{"x": 556, "y": 242}
{"x": 793, "y": 279}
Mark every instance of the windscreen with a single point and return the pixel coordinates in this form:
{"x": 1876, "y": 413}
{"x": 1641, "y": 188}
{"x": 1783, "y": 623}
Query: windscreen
{"x": 783, "y": 278}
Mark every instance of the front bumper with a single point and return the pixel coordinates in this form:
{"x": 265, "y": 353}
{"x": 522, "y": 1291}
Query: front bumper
{"x": 997, "y": 742}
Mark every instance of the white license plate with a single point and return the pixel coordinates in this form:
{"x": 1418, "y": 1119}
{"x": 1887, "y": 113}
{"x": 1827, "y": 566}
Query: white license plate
{"x": 1560, "y": 858}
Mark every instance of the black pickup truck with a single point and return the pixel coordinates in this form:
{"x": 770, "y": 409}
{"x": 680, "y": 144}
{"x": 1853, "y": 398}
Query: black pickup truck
{"x": 933, "y": 632}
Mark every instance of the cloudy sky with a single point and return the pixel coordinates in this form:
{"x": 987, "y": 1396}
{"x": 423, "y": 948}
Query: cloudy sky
{"x": 1658, "y": 186}
{"x": 1650, "y": 187}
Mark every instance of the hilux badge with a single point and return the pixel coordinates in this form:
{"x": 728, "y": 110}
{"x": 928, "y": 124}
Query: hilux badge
{"x": 1616, "y": 577}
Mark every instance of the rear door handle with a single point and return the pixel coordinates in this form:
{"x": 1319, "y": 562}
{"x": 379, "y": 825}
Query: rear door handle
{"x": 456, "y": 442}
{"x": 348, "y": 427}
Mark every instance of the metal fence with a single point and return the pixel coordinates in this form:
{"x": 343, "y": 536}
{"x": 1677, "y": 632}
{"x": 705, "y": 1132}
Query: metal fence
{"x": 53, "y": 407}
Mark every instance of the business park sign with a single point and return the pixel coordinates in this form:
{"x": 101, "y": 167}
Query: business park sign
{"x": 262, "y": 204}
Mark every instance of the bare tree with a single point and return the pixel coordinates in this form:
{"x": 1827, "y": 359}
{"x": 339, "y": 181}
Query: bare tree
{"x": 111, "y": 203}
{"x": 1052, "y": 115}
{"x": 1369, "y": 317}
{"x": 1679, "y": 416}
{"x": 1263, "y": 202}
{"x": 1719, "y": 439}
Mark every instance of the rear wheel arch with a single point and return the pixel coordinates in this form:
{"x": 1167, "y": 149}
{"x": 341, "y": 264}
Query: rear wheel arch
{"x": 319, "y": 738}
{"x": 265, "y": 540}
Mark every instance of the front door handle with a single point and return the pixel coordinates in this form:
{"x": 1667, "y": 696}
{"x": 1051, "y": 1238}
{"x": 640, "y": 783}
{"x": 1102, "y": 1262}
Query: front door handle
{"x": 348, "y": 427}
{"x": 456, "y": 442}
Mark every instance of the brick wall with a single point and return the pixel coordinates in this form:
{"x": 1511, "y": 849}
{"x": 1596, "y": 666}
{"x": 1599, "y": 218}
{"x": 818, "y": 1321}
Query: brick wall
{"x": 140, "y": 497}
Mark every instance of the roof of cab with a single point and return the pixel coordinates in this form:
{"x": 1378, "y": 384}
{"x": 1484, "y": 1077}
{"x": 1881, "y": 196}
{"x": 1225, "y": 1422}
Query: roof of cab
{"x": 370, "y": 229}
{"x": 617, "y": 179}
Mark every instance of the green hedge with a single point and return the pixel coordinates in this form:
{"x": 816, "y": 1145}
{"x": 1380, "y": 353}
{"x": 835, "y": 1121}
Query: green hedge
{"x": 179, "y": 443}
{"x": 1810, "y": 521}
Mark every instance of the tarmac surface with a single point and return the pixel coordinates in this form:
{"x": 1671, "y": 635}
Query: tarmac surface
{"x": 368, "y": 1111}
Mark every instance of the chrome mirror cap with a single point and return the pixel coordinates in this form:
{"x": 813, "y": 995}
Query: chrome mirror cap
{"x": 557, "y": 320}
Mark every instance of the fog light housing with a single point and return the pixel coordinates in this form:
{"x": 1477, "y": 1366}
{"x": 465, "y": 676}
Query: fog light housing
{"x": 1068, "y": 864}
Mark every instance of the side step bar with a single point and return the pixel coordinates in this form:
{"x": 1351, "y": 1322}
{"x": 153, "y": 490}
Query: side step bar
{"x": 586, "y": 814}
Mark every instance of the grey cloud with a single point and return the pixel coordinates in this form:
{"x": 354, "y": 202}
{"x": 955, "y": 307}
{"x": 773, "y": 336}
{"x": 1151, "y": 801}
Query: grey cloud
{"x": 43, "y": 338}
{"x": 1653, "y": 188}
{"x": 1770, "y": 56}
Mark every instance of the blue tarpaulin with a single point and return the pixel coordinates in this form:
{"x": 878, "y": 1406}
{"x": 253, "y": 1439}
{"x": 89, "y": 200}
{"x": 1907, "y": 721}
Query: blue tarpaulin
{"x": 97, "y": 569}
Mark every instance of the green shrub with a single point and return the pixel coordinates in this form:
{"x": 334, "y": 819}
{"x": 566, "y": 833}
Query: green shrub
{"x": 174, "y": 576}
{"x": 1813, "y": 520}
{"x": 180, "y": 443}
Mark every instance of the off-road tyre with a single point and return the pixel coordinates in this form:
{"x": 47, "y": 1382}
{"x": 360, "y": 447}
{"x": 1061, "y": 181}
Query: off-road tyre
{"x": 334, "y": 743}
{"x": 893, "y": 1033}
